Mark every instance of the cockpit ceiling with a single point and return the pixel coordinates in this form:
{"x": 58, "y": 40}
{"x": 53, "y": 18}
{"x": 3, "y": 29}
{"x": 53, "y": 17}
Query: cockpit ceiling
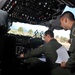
{"x": 34, "y": 11}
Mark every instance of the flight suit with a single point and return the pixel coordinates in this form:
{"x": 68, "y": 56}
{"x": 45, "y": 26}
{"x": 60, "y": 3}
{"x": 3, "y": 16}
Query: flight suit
{"x": 49, "y": 51}
{"x": 70, "y": 65}
{"x": 71, "y": 61}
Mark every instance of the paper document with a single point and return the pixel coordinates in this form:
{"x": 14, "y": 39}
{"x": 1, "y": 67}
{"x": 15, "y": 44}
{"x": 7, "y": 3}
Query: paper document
{"x": 62, "y": 55}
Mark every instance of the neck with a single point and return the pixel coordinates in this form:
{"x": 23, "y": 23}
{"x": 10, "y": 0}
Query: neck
{"x": 51, "y": 39}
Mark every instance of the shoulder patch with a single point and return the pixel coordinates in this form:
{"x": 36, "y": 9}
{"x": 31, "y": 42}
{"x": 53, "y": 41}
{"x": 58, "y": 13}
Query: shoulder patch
{"x": 73, "y": 32}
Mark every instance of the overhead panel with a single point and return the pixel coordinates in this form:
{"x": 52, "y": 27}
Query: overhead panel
{"x": 33, "y": 11}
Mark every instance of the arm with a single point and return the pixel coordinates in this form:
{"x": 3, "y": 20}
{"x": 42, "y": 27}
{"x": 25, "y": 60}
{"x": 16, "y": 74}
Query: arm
{"x": 71, "y": 61}
{"x": 36, "y": 52}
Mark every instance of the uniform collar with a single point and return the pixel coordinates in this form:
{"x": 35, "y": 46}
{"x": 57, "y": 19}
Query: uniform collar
{"x": 53, "y": 40}
{"x": 73, "y": 26}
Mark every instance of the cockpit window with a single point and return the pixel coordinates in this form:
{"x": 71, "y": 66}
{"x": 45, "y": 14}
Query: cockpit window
{"x": 63, "y": 37}
{"x": 27, "y": 29}
{"x": 69, "y": 9}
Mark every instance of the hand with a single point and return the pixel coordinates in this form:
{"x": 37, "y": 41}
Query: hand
{"x": 63, "y": 64}
{"x": 22, "y": 56}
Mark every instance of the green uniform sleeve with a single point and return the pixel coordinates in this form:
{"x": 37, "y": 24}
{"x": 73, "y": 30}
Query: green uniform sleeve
{"x": 36, "y": 52}
{"x": 71, "y": 60}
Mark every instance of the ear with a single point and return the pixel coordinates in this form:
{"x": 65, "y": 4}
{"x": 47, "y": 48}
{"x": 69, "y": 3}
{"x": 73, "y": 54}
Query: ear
{"x": 66, "y": 20}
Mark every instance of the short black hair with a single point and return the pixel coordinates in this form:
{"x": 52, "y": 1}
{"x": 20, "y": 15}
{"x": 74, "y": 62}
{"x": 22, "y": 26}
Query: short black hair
{"x": 69, "y": 15}
{"x": 49, "y": 32}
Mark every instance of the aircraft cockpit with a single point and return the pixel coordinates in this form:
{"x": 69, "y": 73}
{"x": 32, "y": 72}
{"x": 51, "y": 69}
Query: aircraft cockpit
{"x": 34, "y": 12}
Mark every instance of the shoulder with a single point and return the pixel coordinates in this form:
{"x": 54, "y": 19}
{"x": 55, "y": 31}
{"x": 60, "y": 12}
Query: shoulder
{"x": 49, "y": 44}
{"x": 73, "y": 32}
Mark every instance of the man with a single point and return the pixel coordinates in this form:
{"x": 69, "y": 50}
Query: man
{"x": 68, "y": 23}
{"x": 48, "y": 49}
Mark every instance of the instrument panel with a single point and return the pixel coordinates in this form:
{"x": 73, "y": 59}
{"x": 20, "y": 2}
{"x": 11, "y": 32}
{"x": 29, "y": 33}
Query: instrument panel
{"x": 22, "y": 40}
{"x": 24, "y": 44}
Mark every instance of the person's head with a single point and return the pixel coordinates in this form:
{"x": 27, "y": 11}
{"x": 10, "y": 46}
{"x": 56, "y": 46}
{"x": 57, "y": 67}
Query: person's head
{"x": 48, "y": 35}
{"x": 67, "y": 20}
